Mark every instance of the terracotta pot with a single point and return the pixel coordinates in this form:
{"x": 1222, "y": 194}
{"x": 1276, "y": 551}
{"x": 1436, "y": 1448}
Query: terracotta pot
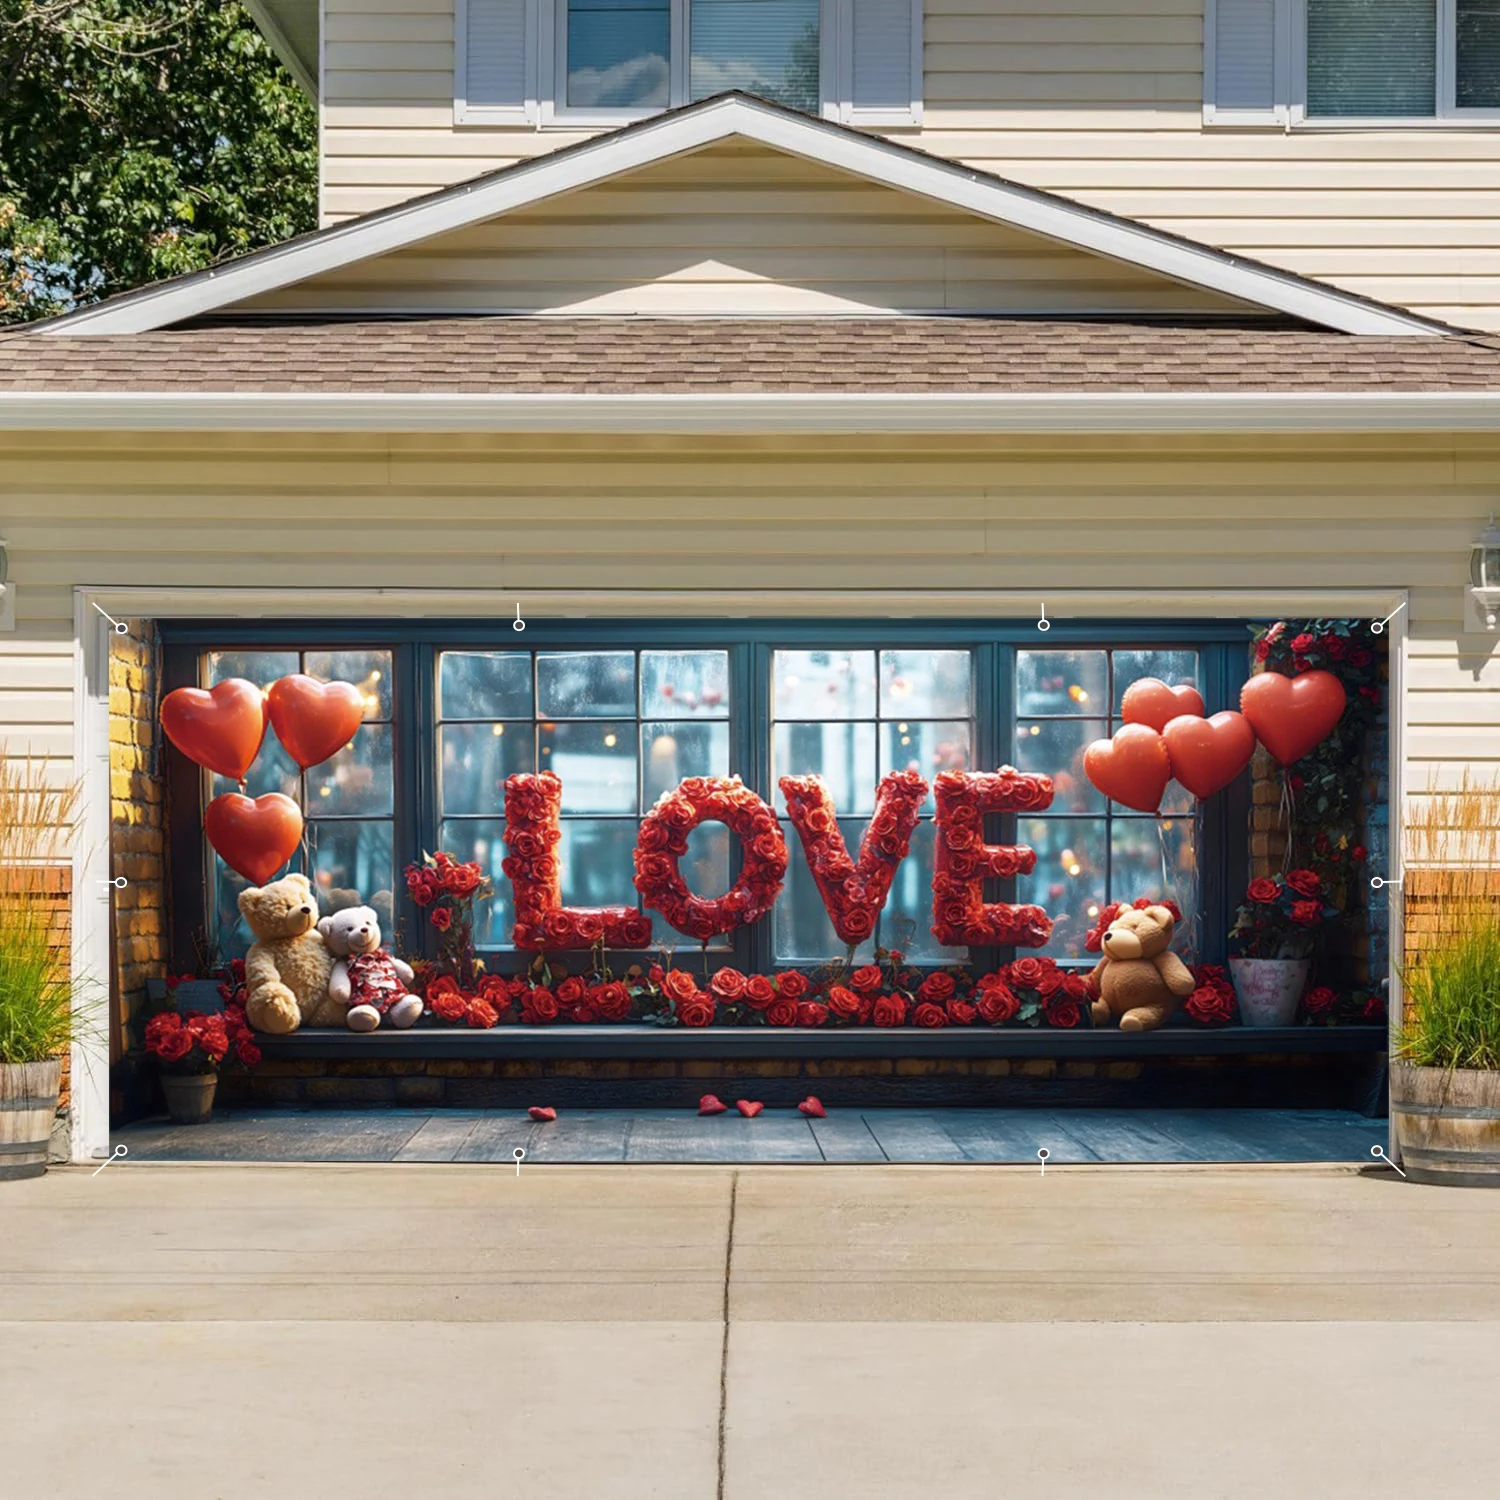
{"x": 28, "y": 1104}
{"x": 1447, "y": 1125}
{"x": 190, "y": 1096}
{"x": 1269, "y": 988}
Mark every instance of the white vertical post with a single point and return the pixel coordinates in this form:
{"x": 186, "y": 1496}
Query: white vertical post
{"x": 92, "y": 959}
{"x": 1397, "y": 713}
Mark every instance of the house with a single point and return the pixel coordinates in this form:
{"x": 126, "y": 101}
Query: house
{"x": 877, "y": 384}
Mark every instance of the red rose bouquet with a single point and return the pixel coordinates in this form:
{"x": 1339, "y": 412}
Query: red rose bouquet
{"x": 1280, "y": 916}
{"x": 448, "y": 891}
{"x": 193, "y": 1042}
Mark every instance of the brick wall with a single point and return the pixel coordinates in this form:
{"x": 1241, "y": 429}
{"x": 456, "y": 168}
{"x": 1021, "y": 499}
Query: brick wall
{"x": 138, "y": 841}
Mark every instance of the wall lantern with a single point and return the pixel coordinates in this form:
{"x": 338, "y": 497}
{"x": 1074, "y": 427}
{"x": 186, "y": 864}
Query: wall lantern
{"x": 1484, "y": 580}
{"x": 7, "y": 591}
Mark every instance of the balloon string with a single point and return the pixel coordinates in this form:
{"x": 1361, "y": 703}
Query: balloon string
{"x": 1288, "y": 818}
{"x": 1183, "y": 892}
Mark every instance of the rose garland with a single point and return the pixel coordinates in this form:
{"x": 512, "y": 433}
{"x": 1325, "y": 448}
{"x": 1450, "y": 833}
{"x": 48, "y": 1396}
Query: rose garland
{"x": 964, "y": 861}
{"x": 854, "y": 893}
{"x": 532, "y": 834}
{"x": 663, "y": 840}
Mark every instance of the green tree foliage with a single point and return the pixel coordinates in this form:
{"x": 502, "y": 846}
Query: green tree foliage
{"x": 141, "y": 139}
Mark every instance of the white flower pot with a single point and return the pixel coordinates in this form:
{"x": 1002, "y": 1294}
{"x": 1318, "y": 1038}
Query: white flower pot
{"x": 1269, "y": 988}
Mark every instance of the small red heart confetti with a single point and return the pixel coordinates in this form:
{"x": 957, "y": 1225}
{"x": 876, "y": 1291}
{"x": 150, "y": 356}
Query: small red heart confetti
{"x": 543, "y": 1112}
{"x": 813, "y": 1106}
{"x": 711, "y": 1104}
{"x": 749, "y": 1107}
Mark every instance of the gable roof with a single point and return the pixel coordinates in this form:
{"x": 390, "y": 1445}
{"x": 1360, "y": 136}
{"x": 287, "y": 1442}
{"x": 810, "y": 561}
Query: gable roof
{"x": 717, "y": 119}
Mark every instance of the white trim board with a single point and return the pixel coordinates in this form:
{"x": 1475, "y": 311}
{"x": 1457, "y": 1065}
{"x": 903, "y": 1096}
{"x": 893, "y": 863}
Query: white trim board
{"x": 790, "y": 412}
{"x": 734, "y": 115}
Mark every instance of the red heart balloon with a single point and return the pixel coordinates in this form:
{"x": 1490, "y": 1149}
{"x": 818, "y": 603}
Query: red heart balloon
{"x": 1292, "y": 715}
{"x": 221, "y": 728}
{"x": 1133, "y": 768}
{"x": 1207, "y": 754}
{"x": 1150, "y": 701}
{"x": 314, "y": 719}
{"x": 748, "y": 1107}
{"x": 711, "y": 1104}
{"x": 255, "y": 838}
{"x": 812, "y": 1106}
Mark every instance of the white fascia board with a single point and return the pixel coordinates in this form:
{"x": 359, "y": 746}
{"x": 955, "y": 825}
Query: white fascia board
{"x": 266, "y": 23}
{"x": 792, "y": 412}
{"x": 835, "y": 146}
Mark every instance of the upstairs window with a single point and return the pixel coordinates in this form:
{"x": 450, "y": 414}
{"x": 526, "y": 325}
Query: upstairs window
{"x": 1280, "y": 62}
{"x": 607, "y": 62}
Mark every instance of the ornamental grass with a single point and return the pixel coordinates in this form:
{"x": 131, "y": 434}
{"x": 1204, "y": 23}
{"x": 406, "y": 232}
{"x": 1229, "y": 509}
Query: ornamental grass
{"x": 36, "y": 981}
{"x": 1452, "y": 980}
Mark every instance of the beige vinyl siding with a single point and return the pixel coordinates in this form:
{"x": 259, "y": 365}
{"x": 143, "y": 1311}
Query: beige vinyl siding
{"x": 525, "y": 516}
{"x": 1074, "y": 96}
{"x": 738, "y": 228}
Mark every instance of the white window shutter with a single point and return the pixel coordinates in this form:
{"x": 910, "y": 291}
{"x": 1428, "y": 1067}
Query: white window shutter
{"x": 1245, "y": 73}
{"x": 884, "y": 51}
{"x": 494, "y": 57}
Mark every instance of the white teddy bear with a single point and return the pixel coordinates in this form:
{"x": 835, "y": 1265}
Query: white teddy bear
{"x": 370, "y": 981}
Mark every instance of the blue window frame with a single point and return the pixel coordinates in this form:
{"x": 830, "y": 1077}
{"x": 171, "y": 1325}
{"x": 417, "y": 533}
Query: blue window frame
{"x": 619, "y": 707}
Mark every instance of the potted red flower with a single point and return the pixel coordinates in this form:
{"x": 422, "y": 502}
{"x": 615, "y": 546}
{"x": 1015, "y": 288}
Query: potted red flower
{"x": 1272, "y": 940}
{"x": 191, "y": 1047}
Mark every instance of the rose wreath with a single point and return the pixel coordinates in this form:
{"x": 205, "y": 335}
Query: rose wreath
{"x": 664, "y": 840}
{"x": 962, "y": 916}
{"x": 854, "y": 892}
{"x": 532, "y": 834}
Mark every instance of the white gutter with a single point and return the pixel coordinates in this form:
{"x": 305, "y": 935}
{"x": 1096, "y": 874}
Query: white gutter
{"x": 788, "y": 412}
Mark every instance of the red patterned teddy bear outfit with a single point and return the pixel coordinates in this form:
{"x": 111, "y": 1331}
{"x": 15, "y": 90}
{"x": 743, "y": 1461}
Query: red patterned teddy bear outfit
{"x": 373, "y": 980}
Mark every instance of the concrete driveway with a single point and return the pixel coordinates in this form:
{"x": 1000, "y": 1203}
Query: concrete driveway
{"x": 398, "y": 1333}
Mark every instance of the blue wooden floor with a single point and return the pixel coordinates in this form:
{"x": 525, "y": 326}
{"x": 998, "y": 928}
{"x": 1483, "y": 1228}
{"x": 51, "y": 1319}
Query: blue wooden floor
{"x": 776, "y": 1136}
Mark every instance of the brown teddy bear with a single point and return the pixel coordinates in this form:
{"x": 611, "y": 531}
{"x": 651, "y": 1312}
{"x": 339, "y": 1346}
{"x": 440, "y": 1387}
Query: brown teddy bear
{"x": 288, "y": 966}
{"x": 1139, "y": 980}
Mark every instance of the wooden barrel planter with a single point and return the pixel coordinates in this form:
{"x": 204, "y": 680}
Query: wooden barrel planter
{"x": 1448, "y": 1125}
{"x": 28, "y": 1105}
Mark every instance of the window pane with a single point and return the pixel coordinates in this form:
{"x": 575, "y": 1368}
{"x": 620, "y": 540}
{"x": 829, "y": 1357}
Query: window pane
{"x": 842, "y": 754}
{"x": 358, "y": 781}
{"x": 765, "y": 47}
{"x": 484, "y": 685}
{"x": 369, "y": 671}
{"x": 824, "y": 685}
{"x": 1137, "y": 869}
{"x": 670, "y": 752}
{"x": 705, "y": 867}
{"x": 924, "y": 748}
{"x": 597, "y": 868}
{"x": 1478, "y": 81}
{"x": 479, "y": 839}
{"x": 617, "y": 54}
{"x": 925, "y": 684}
{"x": 685, "y": 684}
{"x": 906, "y": 922}
{"x": 228, "y": 929}
{"x": 352, "y": 865}
{"x": 1371, "y": 57}
{"x": 802, "y": 931}
{"x": 476, "y": 759}
{"x": 1073, "y": 901}
{"x": 1061, "y": 682}
{"x": 259, "y": 667}
{"x": 585, "y": 684}
{"x": 1054, "y": 747}
{"x": 596, "y": 763}
{"x": 272, "y": 771}
{"x": 1175, "y": 668}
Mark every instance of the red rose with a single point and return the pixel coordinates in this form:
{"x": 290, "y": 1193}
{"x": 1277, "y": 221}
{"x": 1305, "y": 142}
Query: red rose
{"x": 889, "y": 1010}
{"x": 679, "y": 985}
{"x": 1358, "y": 852}
{"x": 1305, "y": 882}
{"x": 1333, "y": 647}
{"x": 1307, "y": 913}
{"x": 570, "y": 992}
{"x": 1359, "y": 657}
{"x": 441, "y": 984}
{"x": 961, "y": 1013}
{"x": 997, "y": 1004}
{"x": 481, "y": 1014}
{"x": 929, "y": 1015}
{"x": 249, "y": 1053}
{"x": 1210, "y": 1004}
{"x": 540, "y": 1007}
{"x": 791, "y": 985}
{"x": 656, "y": 974}
{"x": 935, "y": 989}
{"x": 782, "y": 1011}
{"x": 896, "y": 956}
{"x": 1028, "y": 974}
{"x": 811, "y": 1013}
{"x": 448, "y": 1006}
{"x": 1064, "y": 1013}
{"x": 420, "y": 885}
{"x": 1320, "y": 1001}
{"x": 1374, "y": 1009}
{"x": 1262, "y": 650}
{"x": 1303, "y": 643}
{"x": 612, "y": 1001}
{"x": 728, "y": 984}
{"x": 695, "y": 1010}
{"x": 1262, "y": 890}
{"x": 759, "y": 992}
{"x": 866, "y": 980}
{"x": 843, "y": 1003}
{"x": 442, "y": 918}
{"x": 858, "y": 924}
